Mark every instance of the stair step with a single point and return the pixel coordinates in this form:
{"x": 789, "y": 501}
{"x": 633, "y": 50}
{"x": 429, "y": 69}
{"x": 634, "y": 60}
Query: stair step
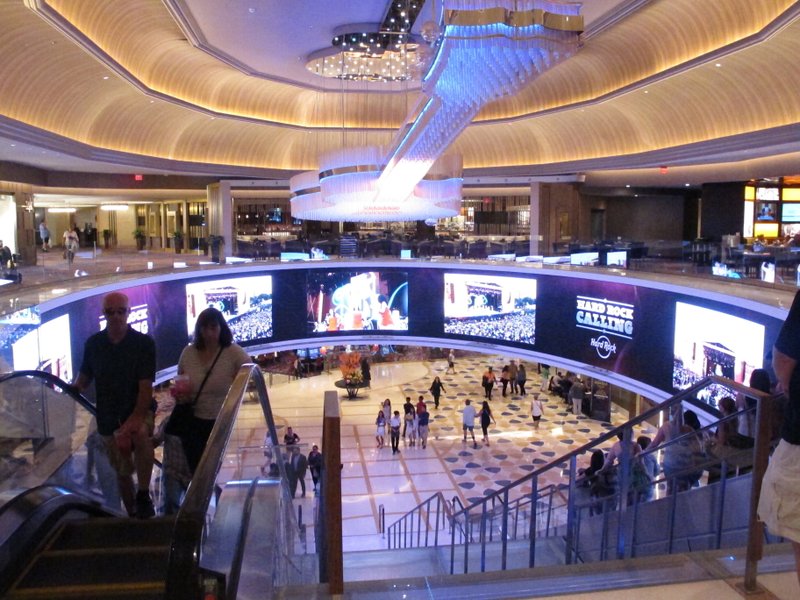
{"x": 152, "y": 591}
{"x": 105, "y": 567}
{"x": 110, "y": 533}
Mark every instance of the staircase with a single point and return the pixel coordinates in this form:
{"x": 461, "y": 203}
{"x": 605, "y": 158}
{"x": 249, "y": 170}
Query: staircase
{"x": 100, "y": 558}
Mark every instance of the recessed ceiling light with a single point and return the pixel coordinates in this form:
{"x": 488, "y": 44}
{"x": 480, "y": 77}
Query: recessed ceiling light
{"x": 718, "y": 65}
{"x": 105, "y": 76}
{"x": 627, "y": 185}
{"x": 686, "y": 184}
{"x": 646, "y": 92}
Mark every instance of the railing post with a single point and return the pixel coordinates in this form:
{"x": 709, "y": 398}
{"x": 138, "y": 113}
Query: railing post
{"x": 331, "y": 560}
{"x": 723, "y": 486}
{"x": 673, "y": 504}
{"x": 755, "y": 532}
{"x": 570, "y": 537}
{"x": 504, "y": 532}
{"x": 467, "y": 538}
{"x": 484, "y": 520}
{"x": 453, "y": 545}
{"x": 624, "y": 480}
{"x": 438, "y": 514}
{"x": 532, "y": 528}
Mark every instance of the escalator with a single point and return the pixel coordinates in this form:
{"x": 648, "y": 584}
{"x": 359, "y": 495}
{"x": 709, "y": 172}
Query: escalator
{"x": 75, "y": 550}
{"x": 62, "y": 531}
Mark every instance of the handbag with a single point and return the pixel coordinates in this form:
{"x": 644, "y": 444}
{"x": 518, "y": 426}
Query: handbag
{"x": 182, "y": 420}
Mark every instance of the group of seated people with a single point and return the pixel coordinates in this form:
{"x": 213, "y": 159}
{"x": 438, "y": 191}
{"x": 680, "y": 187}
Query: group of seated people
{"x": 697, "y": 452}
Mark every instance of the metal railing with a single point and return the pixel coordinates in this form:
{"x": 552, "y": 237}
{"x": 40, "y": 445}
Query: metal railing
{"x": 567, "y": 512}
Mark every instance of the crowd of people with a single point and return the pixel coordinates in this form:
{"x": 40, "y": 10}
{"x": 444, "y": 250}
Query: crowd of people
{"x": 253, "y": 325}
{"x": 513, "y": 327}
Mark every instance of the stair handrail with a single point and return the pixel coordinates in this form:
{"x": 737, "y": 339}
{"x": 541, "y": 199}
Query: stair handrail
{"x": 680, "y": 397}
{"x": 523, "y": 501}
{"x": 184, "y": 573}
{"x": 686, "y": 395}
{"x": 453, "y": 515}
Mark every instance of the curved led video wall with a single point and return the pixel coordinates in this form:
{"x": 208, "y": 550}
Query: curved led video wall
{"x": 647, "y": 336}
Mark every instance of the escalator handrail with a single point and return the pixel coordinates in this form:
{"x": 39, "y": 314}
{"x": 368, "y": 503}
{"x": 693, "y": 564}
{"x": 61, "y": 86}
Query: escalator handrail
{"x": 184, "y": 559}
{"x": 53, "y": 380}
{"x": 27, "y": 521}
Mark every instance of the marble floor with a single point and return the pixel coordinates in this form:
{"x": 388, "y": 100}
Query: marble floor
{"x": 373, "y": 478}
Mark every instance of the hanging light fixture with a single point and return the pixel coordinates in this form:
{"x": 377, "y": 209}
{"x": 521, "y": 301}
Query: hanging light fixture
{"x": 478, "y": 54}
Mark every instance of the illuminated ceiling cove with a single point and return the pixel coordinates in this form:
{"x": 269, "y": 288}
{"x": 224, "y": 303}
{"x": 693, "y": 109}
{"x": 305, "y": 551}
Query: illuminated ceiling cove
{"x": 222, "y": 89}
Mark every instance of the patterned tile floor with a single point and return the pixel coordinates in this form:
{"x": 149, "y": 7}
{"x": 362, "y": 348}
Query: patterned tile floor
{"x": 373, "y": 478}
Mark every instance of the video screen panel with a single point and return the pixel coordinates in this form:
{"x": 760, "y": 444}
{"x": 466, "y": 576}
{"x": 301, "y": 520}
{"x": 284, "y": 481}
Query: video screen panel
{"x": 767, "y": 211}
{"x": 18, "y": 330}
{"x": 617, "y": 258}
{"x": 589, "y": 259}
{"x": 356, "y": 301}
{"x": 245, "y": 302}
{"x": 488, "y": 306}
{"x": 711, "y": 342}
{"x": 791, "y": 212}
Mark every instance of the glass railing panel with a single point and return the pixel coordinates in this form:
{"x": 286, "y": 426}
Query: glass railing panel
{"x": 243, "y": 471}
{"x": 48, "y": 437}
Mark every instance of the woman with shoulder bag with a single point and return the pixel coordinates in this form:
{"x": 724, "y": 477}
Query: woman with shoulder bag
{"x": 210, "y": 362}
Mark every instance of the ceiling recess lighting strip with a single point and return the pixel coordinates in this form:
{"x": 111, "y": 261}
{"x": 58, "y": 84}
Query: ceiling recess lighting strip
{"x": 114, "y": 207}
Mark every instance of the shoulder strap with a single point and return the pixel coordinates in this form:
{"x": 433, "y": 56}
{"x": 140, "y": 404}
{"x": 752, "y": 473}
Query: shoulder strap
{"x": 211, "y": 368}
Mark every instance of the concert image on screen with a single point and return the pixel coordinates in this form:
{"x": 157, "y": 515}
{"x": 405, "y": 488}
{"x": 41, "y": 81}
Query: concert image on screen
{"x": 348, "y": 301}
{"x": 245, "y": 302}
{"x": 18, "y": 331}
{"x": 711, "y": 342}
{"x": 489, "y": 306}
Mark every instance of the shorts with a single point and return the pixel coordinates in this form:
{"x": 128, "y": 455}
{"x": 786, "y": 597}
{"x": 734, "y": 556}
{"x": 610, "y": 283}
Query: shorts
{"x": 381, "y": 430}
{"x": 779, "y": 504}
{"x": 121, "y": 463}
{"x": 466, "y": 427}
{"x": 537, "y": 418}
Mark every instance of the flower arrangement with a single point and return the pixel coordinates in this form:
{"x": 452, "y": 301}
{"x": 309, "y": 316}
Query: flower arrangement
{"x": 350, "y": 366}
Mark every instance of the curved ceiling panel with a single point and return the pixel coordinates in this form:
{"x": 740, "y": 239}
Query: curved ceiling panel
{"x": 58, "y": 87}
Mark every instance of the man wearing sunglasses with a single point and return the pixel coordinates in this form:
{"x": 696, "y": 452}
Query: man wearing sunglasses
{"x": 122, "y": 363}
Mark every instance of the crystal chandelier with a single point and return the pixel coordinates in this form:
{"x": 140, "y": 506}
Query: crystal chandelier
{"x": 483, "y": 51}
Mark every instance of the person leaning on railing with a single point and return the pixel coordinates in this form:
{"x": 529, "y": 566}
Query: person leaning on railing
{"x": 779, "y": 504}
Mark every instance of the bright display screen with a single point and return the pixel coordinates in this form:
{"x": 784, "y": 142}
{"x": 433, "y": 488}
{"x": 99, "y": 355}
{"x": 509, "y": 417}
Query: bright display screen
{"x": 790, "y": 213}
{"x": 662, "y": 338}
{"x": 245, "y": 302}
{"x": 711, "y": 342}
{"x": 357, "y": 301}
{"x": 489, "y": 306}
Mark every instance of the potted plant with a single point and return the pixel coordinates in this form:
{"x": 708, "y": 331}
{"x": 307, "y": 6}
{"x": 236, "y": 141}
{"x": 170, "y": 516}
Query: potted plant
{"x": 138, "y": 235}
{"x": 215, "y": 242}
{"x": 177, "y": 238}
